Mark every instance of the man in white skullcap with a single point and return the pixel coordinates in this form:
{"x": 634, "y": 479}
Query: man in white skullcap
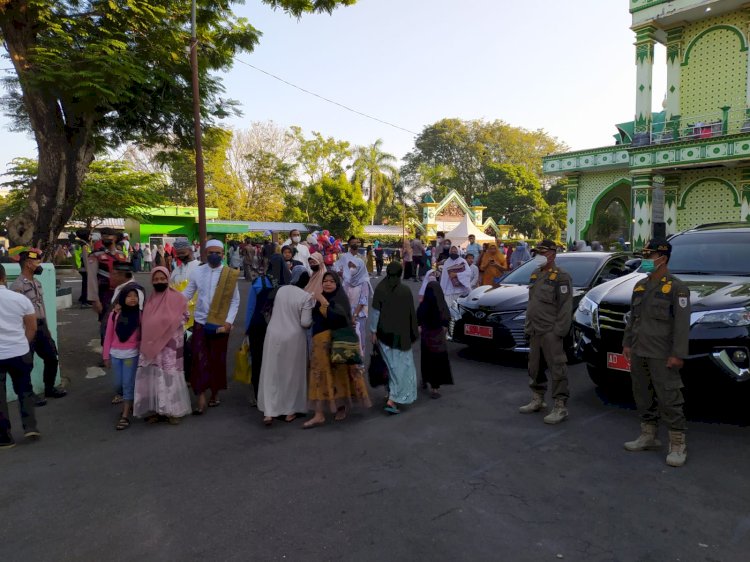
{"x": 215, "y": 311}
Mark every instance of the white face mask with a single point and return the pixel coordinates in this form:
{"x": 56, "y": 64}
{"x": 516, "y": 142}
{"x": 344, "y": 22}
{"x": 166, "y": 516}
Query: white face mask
{"x": 540, "y": 261}
{"x": 296, "y": 239}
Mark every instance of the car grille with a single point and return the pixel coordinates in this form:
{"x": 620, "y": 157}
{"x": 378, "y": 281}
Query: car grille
{"x": 519, "y": 336}
{"x": 612, "y": 317}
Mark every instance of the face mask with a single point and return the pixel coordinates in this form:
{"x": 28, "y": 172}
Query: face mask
{"x": 38, "y": 270}
{"x": 214, "y": 259}
{"x": 648, "y": 266}
{"x": 540, "y": 260}
{"x": 296, "y": 239}
{"x": 354, "y": 247}
{"x": 315, "y": 267}
{"x": 186, "y": 258}
{"x": 447, "y": 247}
{"x": 454, "y": 255}
{"x": 160, "y": 287}
{"x": 108, "y": 243}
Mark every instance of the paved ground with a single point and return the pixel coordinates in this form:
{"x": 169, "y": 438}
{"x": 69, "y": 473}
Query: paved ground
{"x": 461, "y": 478}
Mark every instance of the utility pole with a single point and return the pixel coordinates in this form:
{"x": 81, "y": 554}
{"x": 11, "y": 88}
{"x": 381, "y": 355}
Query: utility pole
{"x": 199, "y": 173}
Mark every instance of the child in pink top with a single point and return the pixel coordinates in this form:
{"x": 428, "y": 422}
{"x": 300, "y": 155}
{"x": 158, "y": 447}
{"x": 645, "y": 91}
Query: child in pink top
{"x": 122, "y": 341}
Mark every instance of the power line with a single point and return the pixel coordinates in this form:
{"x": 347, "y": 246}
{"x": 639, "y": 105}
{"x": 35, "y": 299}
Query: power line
{"x": 341, "y": 105}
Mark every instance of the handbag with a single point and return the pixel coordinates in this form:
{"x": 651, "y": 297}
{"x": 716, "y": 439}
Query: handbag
{"x": 378, "y": 369}
{"x": 345, "y": 347}
{"x": 459, "y": 268}
{"x": 242, "y": 368}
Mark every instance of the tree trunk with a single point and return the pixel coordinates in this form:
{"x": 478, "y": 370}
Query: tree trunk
{"x": 64, "y": 139}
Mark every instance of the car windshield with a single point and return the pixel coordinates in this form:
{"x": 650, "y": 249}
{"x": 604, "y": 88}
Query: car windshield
{"x": 581, "y": 269}
{"x": 711, "y": 253}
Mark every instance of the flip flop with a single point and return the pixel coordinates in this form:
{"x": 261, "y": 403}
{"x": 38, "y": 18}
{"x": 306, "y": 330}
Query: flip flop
{"x": 312, "y": 424}
{"x": 214, "y": 403}
{"x": 198, "y": 412}
{"x": 117, "y": 399}
{"x": 392, "y": 410}
{"x": 122, "y": 423}
{"x": 290, "y": 419}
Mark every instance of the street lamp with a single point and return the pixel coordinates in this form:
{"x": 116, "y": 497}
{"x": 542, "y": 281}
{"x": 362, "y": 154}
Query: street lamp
{"x": 200, "y": 181}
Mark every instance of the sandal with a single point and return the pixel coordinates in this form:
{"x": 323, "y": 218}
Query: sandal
{"x": 152, "y": 419}
{"x": 290, "y": 418}
{"x": 267, "y": 421}
{"x": 198, "y": 412}
{"x": 174, "y": 421}
{"x": 435, "y": 394}
{"x": 392, "y": 410}
{"x": 214, "y": 402}
{"x": 340, "y": 414}
{"x": 122, "y": 423}
{"x": 310, "y": 424}
{"x": 117, "y": 399}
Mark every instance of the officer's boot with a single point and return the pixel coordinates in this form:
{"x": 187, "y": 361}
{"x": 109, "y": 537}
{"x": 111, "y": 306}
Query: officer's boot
{"x": 558, "y": 414}
{"x": 646, "y": 441}
{"x": 537, "y": 403}
{"x": 677, "y": 449}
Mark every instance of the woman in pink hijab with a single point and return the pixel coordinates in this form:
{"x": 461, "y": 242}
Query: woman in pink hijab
{"x": 161, "y": 393}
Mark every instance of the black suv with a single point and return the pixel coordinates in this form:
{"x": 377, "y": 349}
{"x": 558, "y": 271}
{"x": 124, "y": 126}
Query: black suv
{"x": 714, "y": 261}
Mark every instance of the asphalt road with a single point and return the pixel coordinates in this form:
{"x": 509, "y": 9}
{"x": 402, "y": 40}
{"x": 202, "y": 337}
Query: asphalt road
{"x": 461, "y": 478}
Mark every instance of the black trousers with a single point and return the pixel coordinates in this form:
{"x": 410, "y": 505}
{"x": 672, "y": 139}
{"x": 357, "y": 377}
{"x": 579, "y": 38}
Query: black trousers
{"x": 84, "y": 298}
{"x": 379, "y": 266}
{"x": 44, "y": 346}
{"x": 19, "y": 368}
{"x": 418, "y": 262}
{"x": 256, "y": 335}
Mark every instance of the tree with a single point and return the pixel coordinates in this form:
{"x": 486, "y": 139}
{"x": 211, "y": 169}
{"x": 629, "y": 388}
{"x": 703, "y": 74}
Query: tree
{"x": 319, "y": 157}
{"x": 112, "y": 189}
{"x": 376, "y": 170}
{"x": 516, "y": 194}
{"x": 93, "y": 74}
{"x": 465, "y": 151}
{"x": 337, "y": 204}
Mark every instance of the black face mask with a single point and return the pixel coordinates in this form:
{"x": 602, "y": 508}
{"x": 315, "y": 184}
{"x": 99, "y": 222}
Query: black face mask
{"x": 186, "y": 258}
{"x": 315, "y": 267}
{"x": 161, "y": 287}
{"x": 108, "y": 243}
{"x": 453, "y": 255}
{"x": 354, "y": 247}
{"x": 38, "y": 270}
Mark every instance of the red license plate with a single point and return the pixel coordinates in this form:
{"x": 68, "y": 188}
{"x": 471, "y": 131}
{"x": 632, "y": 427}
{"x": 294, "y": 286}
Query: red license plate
{"x": 617, "y": 362}
{"x": 478, "y": 331}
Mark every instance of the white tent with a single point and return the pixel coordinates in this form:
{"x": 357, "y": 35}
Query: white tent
{"x": 459, "y": 236}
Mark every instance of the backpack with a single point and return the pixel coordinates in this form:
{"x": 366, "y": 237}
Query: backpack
{"x": 264, "y": 302}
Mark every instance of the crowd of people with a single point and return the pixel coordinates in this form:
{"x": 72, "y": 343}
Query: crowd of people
{"x": 309, "y": 325}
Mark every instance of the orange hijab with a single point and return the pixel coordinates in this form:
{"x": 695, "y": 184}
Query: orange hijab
{"x": 493, "y": 264}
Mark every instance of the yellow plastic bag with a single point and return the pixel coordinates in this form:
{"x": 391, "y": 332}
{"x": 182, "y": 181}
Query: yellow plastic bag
{"x": 242, "y": 368}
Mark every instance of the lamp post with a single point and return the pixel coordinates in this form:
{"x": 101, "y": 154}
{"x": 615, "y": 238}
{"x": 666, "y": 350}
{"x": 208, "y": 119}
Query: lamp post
{"x": 199, "y": 173}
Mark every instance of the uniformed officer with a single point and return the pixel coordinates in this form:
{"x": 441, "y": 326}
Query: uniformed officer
{"x": 43, "y": 345}
{"x": 655, "y": 343}
{"x": 548, "y": 319}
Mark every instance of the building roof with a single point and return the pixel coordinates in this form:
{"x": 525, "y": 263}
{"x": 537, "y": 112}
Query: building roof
{"x": 384, "y": 230}
{"x": 117, "y": 224}
{"x": 228, "y": 226}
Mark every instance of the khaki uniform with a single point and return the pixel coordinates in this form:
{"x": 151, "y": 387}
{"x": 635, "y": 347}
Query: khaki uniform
{"x": 658, "y": 328}
{"x": 43, "y": 345}
{"x": 548, "y": 318}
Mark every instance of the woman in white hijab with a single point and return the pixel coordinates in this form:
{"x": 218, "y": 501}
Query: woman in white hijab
{"x": 455, "y": 280}
{"x": 359, "y": 292}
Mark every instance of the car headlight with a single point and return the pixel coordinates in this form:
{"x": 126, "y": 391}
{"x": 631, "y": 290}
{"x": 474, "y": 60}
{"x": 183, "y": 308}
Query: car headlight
{"x": 521, "y": 316}
{"x": 588, "y": 312}
{"x": 731, "y": 317}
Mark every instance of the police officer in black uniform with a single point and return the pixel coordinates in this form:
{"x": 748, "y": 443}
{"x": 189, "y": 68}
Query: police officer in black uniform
{"x": 656, "y": 342}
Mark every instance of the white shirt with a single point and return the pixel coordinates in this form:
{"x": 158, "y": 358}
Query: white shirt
{"x": 474, "y": 276}
{"x": 183, "y": 272}
{"x": 13, "y": 307}
{"x": 302, "y": 255}
{"x": 204, "y": 280}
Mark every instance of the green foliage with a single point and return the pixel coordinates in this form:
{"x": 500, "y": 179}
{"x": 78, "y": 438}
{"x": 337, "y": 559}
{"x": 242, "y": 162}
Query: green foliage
{"x": 460, "y": 155}
{"x": 375, "y": 169}
{"x": 92, "y": 74}
{"x": 319, "y": 157}
{"x": 337, "y": 204}
{"x": 111, "y": 189}
{"x": 608, "y": 223}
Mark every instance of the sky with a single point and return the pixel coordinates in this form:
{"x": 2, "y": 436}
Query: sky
{"x": 565, "y": 67}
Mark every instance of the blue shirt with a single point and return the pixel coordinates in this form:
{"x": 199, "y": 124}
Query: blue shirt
{"x": 474, "y": 249}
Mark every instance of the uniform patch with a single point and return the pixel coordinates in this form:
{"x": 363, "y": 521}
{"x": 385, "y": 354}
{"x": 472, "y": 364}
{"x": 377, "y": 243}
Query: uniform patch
{"x": 564, "y": 289}
{"x": 666, "y": 289}
{"x": 553, "y": 276}
{"x": 683, "y": 302}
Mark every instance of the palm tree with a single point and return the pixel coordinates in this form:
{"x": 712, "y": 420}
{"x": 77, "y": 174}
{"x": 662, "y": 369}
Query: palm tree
{"x": 376, "y": 172}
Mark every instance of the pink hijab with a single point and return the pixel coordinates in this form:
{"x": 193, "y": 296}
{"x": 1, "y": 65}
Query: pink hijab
{"x": 315, "y": 285}
{"x": 163, "y": 314}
